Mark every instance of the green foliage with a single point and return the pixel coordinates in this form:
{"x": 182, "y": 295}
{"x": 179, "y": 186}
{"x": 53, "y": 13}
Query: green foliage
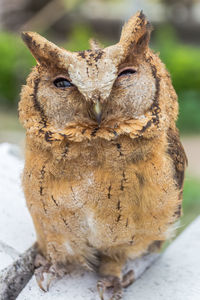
{"x": 189, "y": 111}
{"x": 79, "y": 38}
{"x": 15, "y": 64}
{"x": 191, "y": 201}
{"x": 191, "y": 194}
{"x": 183, "y": 63}
{"x": 191, "y": 205}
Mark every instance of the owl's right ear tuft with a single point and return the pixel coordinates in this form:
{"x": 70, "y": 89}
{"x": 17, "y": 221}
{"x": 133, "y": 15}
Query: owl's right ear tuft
{"x": 45, "y": 52}
{"x": 26, "y": 37}
{"x": 36, "y": 44}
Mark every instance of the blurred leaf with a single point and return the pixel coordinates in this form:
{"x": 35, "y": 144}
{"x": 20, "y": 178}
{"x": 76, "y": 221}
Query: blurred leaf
{"x": 15, "y": 65}
{"x": 189, "y": 111}
{"x": 79, "y": 38}
{"x": 191, "y": 193}
{"x": 71, "y": 4}
{"x": 182, "y": 61}
{"x": 191, "y": 202}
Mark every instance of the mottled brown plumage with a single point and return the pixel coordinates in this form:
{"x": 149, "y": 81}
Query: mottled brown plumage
{"x": 104, "y": 167}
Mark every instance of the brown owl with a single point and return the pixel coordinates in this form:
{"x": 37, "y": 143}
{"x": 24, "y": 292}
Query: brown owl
{"x": 104, "y": 169}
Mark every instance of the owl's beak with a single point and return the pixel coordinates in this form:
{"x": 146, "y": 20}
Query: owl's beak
{"x": 97, "y": 111}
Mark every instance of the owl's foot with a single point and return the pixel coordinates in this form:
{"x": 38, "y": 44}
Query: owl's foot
{"x": 45, "y": 272}
{"x": 108, "y": 282}
{"x": 116, "y": 284}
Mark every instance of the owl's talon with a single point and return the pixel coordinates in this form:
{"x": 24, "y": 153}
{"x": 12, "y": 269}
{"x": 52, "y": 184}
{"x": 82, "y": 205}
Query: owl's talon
{"x": 117, "y": 289}
{"x": 45, "y": 281}
{"x": 101, "y": 288}
{"x": 51, "y": 272}
{"x": 39, "y": 276}
{"x": 109, "y": 282}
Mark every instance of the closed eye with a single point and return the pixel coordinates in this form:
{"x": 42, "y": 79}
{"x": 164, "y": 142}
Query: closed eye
{"x": 62, "y": 82}
{"x": 126, "y": 72}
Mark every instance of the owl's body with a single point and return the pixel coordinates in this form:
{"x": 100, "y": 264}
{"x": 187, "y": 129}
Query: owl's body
{"x": 104, "y": 165}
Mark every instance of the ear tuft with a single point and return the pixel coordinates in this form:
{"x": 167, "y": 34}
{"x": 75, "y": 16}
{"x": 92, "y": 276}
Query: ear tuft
{"x": 45, "y": 52}
{"x": 26, "y": 37}
{"x": 141, "y": 15}
{"x": 135, "y": 34}
{"x": 37, "y": 45}
{"x": 142, "y": 43}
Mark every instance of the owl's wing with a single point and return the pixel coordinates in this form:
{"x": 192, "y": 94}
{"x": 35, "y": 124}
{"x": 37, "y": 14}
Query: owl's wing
{"x": 178, "y": 156}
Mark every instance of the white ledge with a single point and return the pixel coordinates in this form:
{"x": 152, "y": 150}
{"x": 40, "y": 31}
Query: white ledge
{"x": 16, "y": 229}
{"x": 15, "y": 222}
{"x": 174, "y": 276}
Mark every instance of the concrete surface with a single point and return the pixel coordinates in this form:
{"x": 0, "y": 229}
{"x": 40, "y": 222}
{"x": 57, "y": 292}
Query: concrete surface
{"x": 15, "y": 222}
{"x": 174, "y": 276}
{"x": 16, "y": 229}
{"x": 7, "y": 255}
{"x": 80, "y": 285}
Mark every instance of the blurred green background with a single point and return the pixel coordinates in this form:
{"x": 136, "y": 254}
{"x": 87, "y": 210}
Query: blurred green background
{"x": 71, "y": 23}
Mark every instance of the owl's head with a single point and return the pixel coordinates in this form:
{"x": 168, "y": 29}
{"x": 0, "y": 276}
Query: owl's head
{"x": 121, "y": 89}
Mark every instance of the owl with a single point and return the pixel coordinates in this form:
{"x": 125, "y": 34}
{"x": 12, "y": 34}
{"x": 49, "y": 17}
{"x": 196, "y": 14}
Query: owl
{"x": 104, "y": 165}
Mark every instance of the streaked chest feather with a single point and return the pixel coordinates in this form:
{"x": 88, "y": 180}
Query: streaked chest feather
{"x": 116, "y": 191}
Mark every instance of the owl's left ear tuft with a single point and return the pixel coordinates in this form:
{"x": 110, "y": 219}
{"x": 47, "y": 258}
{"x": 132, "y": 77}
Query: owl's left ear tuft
{"x": 39, "y": 46}
{"x": 135, "y": 34}
{"x": 143, "y": 42}
{"x": 26, "y": 37}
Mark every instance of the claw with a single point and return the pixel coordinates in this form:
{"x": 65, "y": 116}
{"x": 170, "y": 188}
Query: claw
{"x": 51, "y": 272}
{"x": 101, "y": 289}
{"x": 116, "y": 284}
{"x": 39, "y": 276}
{"x": 103, "y": 284}
{"x": 108, "y": 282}
{"x": 45, "y": 281}
{"x": 117, "y": 289}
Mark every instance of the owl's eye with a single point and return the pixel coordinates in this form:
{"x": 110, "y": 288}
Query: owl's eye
{"x": 127, "y": 71}
{"x": 62, "y": 82}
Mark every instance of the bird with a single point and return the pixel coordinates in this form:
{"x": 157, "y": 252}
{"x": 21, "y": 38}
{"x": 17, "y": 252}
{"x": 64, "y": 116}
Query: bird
{"x": 104, "y": 164}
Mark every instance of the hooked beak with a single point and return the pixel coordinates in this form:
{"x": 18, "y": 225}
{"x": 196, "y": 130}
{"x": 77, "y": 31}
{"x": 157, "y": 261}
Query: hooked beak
{"x": 97, "y": 111}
